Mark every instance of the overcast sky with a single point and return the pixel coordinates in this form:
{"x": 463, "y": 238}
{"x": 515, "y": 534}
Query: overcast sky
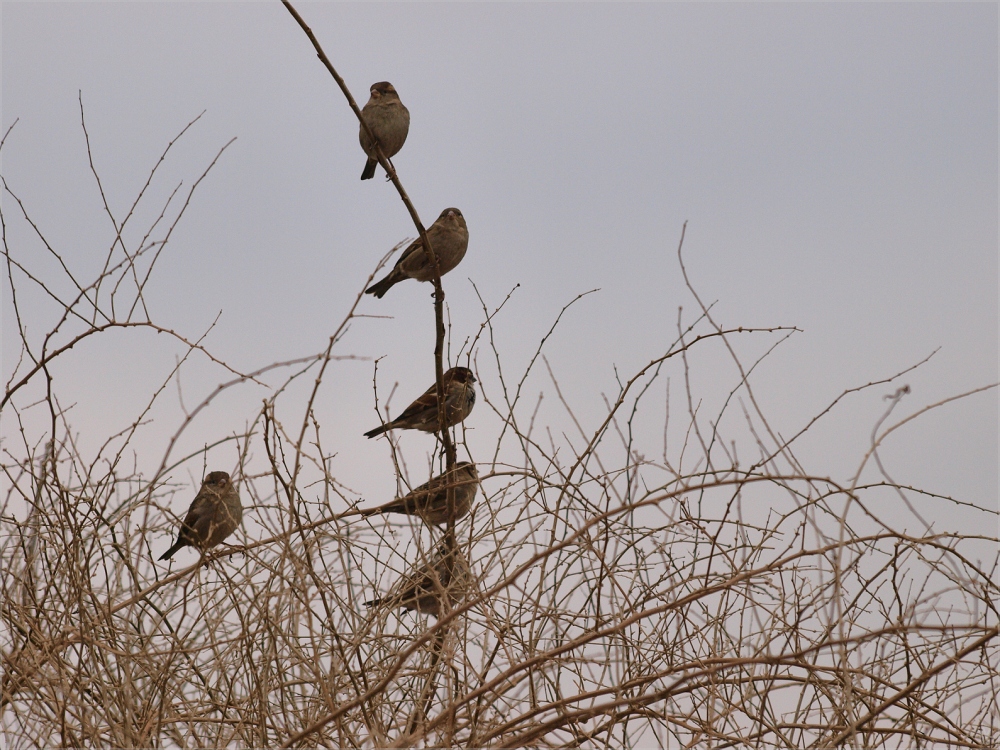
{"x": 836, "y": 165}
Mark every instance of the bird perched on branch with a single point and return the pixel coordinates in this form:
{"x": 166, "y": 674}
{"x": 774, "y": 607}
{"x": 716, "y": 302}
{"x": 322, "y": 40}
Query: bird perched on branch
{"x": 449, "y": 238}
{"x": 425, "y": 589}
{"x": 389, "y": 121}
{"x": 430, "y": 500}
{"x": 214, "y": 515}
{"x": 422, "y": 414}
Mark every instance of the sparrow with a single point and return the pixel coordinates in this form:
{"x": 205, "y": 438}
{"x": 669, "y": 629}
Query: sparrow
{"x": 430, "y": 500}
{"x": 214, "y": 515}
{"x": 422, "y": 414}
{"x": 448, "y": 574}
{"x": 449, "y": 238}
{"x": 389, "y": 121}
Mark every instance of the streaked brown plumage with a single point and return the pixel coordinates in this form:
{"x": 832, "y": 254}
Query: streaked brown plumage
{"x": 214, "y": 514}
{"x": 449, "y": 237}
{"x": 389, "y": 121}
{"x": 422, "y": 414}
{"x": 424, "y": 589}
{"x": 430, "y": 500}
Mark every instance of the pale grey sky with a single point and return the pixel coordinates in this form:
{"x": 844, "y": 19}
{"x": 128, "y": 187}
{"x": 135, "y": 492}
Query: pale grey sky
{"x": 837, "y": 165}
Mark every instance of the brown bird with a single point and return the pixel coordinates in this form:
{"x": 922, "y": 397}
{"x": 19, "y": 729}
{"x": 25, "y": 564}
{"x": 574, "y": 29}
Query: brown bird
{"x": 449, "y": 237}
{"x": 422, "y": 414}
{"x": 430, "y": 500}
{"x": 424, "y": 589}
{"x": 389, "y": 121}
{"x": 214, "y": 515}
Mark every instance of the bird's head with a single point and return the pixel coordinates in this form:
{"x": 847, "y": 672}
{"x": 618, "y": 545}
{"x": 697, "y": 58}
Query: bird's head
{"x": 383, "y": 89}
{"x": 460, "y": 375}
{"x": 218, "y": 480}
{"x": 467, "y": 470}
{"x": 452, "y": 216}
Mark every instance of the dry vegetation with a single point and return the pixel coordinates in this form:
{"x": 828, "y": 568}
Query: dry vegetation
{"x": 624, "y": 594}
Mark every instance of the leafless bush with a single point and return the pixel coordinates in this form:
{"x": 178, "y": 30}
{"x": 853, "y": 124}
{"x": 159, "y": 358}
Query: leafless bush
{"x": 625, "y": 593}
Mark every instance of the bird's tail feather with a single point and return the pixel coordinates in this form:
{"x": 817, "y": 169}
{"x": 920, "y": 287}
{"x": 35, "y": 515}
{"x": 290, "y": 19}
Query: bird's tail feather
{"x": 170, "y": 552}
{"x": 377, "y": 431}
{"x": 379, "y": 288}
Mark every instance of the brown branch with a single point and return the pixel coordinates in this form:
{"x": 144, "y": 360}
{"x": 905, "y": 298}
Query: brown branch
{"x": 913, "y": 685}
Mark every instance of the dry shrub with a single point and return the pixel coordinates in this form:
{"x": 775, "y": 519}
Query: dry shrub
{"x": 625, "y": 593}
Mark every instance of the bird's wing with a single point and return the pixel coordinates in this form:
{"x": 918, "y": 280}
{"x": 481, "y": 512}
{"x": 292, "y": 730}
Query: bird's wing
{"x": 202, "y": 515}
{"x": 427, "y": 401}
{"x": 417, "y": 244}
